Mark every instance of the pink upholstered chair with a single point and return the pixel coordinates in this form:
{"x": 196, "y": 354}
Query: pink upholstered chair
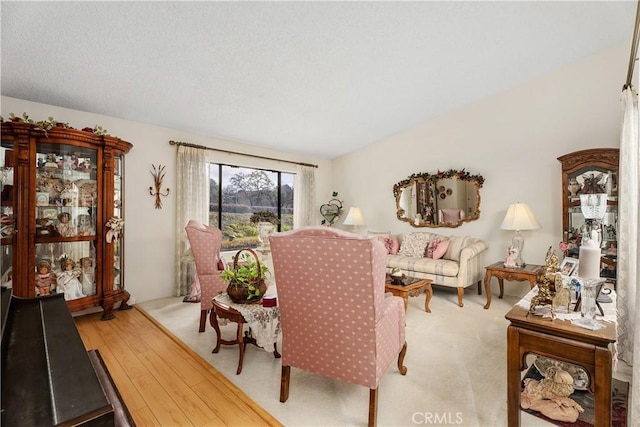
{"x": 205, "y": 245}
{"x": 336, "y": 320}
{"x": 451, "y": 216}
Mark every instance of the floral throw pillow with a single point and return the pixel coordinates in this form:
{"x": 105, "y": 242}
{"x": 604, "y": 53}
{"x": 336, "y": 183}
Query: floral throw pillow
{"x": 414, "y": 244}
{"x": 437, "y": 248}
{"x": 391, "y": 243}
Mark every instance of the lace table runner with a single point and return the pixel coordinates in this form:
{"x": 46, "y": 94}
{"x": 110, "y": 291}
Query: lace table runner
{"x": 263, "y": 321}
{"x": 609, "y": 308}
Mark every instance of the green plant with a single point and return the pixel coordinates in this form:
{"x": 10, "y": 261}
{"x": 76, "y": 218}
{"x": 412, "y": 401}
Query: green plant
{"x": 264, "y": 216}
{"x": 246, "y": 274}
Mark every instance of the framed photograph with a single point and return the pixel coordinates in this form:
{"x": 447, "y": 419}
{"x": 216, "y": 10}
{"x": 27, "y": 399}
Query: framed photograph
{"x": 568, "y": 265}
{"x": 575, "y": 269}
{"x": 49, "y": 213}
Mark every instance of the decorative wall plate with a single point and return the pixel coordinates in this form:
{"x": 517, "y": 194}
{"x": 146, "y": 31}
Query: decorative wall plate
{"x": 330, "y": 211}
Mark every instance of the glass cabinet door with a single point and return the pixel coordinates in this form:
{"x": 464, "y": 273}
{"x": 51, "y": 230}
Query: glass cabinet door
{"x": 66, "y": 214}
{"x": 592, "y": 208}
{"x": 118, "y": 211}
{"x": 7, "y": 217}
{"x": 590, "y": 203}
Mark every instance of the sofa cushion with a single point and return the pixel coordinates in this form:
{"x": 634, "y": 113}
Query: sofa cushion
{"x": 437, "y": 267}
{"x": 456, "y": 245}
{"x": 437, "y": 248}
{"x": 414, "y": 244}
{"x": 391, "y": 243}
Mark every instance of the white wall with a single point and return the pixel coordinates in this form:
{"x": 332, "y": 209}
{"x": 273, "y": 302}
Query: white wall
{"x": 149, "y": 243}
{"x": 513, "y": 139}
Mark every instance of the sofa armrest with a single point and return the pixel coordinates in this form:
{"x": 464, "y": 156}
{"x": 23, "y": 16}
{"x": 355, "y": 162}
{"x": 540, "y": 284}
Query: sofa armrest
{"x": 471, "y": 266}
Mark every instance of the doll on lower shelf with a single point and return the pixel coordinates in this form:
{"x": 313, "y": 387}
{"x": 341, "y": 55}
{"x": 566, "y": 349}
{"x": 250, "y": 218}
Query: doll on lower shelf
{"x": 68, "y": 280}
{"x": 87, "y": 278}
{"x": 45, "y": 279}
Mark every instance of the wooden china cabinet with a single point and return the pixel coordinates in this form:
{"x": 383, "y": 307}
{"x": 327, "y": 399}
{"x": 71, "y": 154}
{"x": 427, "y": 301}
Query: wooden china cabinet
{"x": 60, "y": 188}
{"x": 590, "y": 202}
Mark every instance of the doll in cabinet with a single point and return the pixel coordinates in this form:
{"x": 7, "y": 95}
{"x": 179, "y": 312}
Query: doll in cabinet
{"x": 68, "y": 280}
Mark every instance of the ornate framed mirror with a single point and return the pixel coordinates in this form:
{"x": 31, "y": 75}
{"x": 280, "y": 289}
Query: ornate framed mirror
{"x": 441, "y": 199}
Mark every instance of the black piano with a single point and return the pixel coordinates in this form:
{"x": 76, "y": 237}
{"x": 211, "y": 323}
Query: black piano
{"x": 48, "y": 378}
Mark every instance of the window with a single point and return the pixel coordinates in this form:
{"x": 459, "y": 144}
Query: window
{"x": 236, "y": 193}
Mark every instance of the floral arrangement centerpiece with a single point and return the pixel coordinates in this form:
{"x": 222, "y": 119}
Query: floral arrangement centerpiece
{"x": 247, "y": 278}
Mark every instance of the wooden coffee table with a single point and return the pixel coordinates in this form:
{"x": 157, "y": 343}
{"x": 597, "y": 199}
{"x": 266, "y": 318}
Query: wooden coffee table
{"x": 412, "y": 288}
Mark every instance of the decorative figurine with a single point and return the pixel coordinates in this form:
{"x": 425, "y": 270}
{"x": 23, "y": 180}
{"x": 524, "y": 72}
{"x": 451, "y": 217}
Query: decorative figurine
{"x": 51, "y": 161}
{"x": 574, "y": 187}
{"x": 85, "y": 225}
{"x": 44, "y": 279}
{"x": 69, "y": 194}
{"x": 68, "y": 280}
{"x": 592, "y": 184}
{"x": 546, "y": 283}
{"x": 64, "y": 226}
{"x": 550, "y": 396}
{"x": 512, "y": 255}
{"x": 87, "y": 276}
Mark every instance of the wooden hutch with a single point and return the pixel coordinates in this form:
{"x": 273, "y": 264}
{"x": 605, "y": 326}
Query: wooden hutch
{"x": 62, "y": 189}
{"x": 591, "y": 174}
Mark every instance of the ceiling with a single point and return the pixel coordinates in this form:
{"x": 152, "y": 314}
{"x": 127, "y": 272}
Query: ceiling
{"x": 316, "y": 78}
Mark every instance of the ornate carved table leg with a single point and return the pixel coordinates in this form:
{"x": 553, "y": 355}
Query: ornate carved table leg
{"x": 487, "y": 288}
{"x": 216, "y": 327}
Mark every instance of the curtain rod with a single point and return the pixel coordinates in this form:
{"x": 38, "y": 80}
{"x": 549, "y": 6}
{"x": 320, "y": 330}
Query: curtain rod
{"x": 634, "y": 49}
{"x": 187, "y": 144}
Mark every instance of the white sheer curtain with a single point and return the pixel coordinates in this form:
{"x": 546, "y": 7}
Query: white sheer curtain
{"x": 304, "y": 197}
{"x": 192, "y": 196}
{"x": 628, "y": 240}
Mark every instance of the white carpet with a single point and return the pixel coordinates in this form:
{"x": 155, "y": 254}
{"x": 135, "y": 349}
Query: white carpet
{"x": 456, "y": 361}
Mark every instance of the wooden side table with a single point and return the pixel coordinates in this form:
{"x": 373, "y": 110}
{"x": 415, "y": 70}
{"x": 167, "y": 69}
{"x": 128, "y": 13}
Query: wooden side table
{"x": 413, "y": 288}
{"x": 561, "y": 340}
{"x": 224, "y": 311}
{"x": 527, "y": 273}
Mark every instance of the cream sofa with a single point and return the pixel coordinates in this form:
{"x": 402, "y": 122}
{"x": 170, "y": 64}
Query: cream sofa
{"x": 461, "y": 265}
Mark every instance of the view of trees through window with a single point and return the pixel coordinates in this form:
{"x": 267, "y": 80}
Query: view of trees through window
{"x": 240, "y": 197}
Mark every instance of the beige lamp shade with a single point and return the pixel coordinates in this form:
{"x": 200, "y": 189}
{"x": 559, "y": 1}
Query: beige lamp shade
{"x": 354, "y": 217}
{"x": 519, "y": 217}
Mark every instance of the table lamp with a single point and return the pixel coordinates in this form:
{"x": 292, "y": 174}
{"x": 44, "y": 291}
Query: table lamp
{"x": 354, "y": 218}
{"x": 519, "y": 217}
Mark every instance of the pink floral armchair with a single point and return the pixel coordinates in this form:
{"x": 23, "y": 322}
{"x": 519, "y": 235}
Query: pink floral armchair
{"x": 336, "y": 319}
{"x": 205, "y": 245}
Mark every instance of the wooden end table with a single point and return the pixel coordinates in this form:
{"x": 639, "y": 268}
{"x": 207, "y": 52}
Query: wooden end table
{"x": 224, "y": 311}
{"x": 561, "y": 340}
{"x": 527, "y": 273}
{"x": 412, "y": 288}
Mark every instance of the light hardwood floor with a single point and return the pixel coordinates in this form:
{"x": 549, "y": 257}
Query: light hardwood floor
{"x": 163, "y": 382}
